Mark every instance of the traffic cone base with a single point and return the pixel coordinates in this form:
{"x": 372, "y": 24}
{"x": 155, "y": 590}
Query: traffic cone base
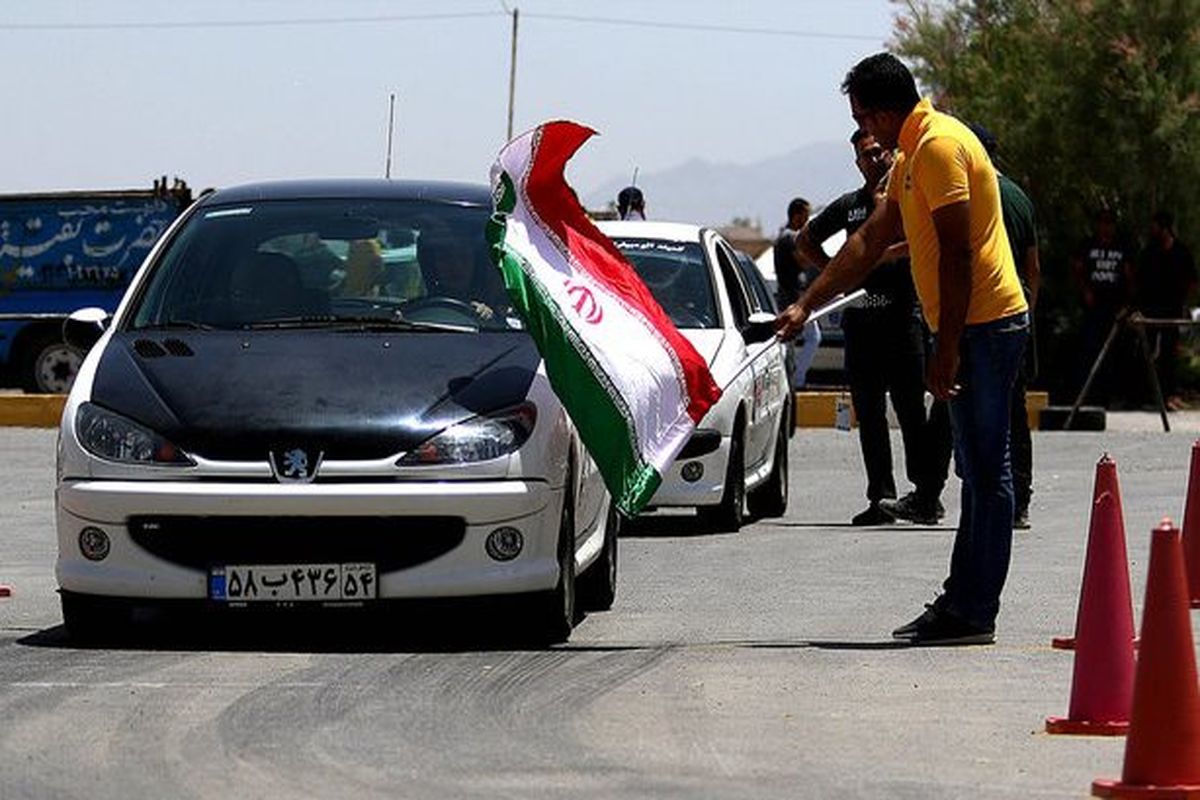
{"x": 1063, "y": 642}
{"x": 1102, "y": 788}
{"x": 1087, "y": 727}
{"x": 5, "y": 591}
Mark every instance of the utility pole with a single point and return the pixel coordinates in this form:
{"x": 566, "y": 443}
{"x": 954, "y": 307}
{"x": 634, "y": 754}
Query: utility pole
{"x": 391, "y": 125}
{"x": 512, "y": 73}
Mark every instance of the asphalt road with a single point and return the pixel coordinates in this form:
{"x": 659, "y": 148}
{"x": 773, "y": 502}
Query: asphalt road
{"x": 754, "y": 665}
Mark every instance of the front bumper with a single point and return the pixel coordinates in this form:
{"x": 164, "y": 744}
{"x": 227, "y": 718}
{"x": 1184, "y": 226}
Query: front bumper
{"x": 675, "y": 491}
{"x": 464, "y": 569}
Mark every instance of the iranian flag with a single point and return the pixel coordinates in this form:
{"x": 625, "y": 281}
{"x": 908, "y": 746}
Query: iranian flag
{"x": 634, "y": 386}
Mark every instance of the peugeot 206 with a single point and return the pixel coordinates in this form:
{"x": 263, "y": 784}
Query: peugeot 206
{"x": 317, "y": 394}
{"x": 737, "y": 459}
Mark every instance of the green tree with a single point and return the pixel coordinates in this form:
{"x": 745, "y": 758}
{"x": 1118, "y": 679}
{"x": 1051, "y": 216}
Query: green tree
{"x": 1094, "y": 102}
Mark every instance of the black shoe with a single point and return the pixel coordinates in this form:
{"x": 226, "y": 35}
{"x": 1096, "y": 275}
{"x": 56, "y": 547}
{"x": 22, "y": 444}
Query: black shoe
{"x": 1021, "y": 519}
{"x": 940, "y": 626}
{"x": 874, "y": 515}
{"x": 915, "y": 508}
{"x": 927, "y": 616}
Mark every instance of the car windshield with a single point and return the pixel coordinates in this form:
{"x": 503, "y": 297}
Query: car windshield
{"x": 313, "y": 263}
{"x": 678, "y": 276}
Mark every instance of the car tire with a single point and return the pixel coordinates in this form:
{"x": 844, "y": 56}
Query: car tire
{"x": 597, "y": 587}
{"x": 728, "y": 515}
{"x": 48, "y": 364}
{"x": 90, "y": 619}
{"x": 552, "y": 614}
{"x": 771, "y": 498}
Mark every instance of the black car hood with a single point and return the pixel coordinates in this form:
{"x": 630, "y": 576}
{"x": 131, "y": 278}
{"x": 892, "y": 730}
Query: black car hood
{"x": 351, "y": 395}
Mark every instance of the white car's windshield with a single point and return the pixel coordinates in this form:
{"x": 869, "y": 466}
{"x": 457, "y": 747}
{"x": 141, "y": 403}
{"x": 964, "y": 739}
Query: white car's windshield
{"x": 677, "y": 274}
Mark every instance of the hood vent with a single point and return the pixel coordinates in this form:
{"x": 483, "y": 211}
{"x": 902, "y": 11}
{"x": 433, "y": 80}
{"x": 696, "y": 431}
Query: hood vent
{"x": 178, "y": 347}
{"x": 147, "y": 348}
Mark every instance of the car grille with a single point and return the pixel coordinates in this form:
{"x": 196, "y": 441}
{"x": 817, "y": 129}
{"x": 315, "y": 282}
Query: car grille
{"x": 203, "y": 542}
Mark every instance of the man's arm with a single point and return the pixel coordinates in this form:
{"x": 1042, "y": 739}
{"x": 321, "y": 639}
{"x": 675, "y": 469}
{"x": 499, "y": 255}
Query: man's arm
{"x": 1031, "y": 267}
{"x": 809, "y": 249}
{"x": 847, "y": 269}
{"x": 952, "y": 223}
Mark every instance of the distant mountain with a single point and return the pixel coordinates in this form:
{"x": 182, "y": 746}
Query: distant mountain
{"x": 713, "y": 194}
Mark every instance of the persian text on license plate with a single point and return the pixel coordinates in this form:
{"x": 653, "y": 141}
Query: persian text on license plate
{"x": 292, "y": 582}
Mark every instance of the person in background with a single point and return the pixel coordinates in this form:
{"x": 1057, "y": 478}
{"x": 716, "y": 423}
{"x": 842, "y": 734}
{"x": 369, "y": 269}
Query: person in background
{"x": 1020, "y": 222}
{"x": 885, "y": 349}
{"x": 944, "y": 199}
{"x": 1103, "y": 272}
{"x": 790, "y": 279}
{"x": 1165, "y": 278}
{"x": 631, "y": 203}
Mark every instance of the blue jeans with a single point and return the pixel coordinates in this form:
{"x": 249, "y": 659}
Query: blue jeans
{"x": 979, "y": 415}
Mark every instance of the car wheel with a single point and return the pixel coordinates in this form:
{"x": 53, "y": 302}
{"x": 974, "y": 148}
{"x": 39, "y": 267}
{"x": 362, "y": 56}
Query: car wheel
{"x": 771, "y": 498}
{"x": 90, "y": 619}
{"x": 552, "y": 613}
{"x": 49, "y": 365}
{"x": 728, "y": 515}
{"x": 597, "y": 588}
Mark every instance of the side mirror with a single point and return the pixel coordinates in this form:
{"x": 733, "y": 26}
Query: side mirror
{"x": 84, "y": 327}
{"x": 759, "y": 327}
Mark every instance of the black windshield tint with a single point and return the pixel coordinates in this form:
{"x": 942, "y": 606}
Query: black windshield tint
{"x": 677, "y": 274}
{"x": 246, "y": 266}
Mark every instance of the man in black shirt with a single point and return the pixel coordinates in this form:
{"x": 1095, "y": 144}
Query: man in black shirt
{"x": 1165, "y": 278}
{"x": 885, "y": 348}
{"x": 791, "y": 280}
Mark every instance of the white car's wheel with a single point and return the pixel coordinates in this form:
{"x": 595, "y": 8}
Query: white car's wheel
{"x": 91, "y": 619}
{"x": 552, "y": 614}
{"x": 728, "y": 515}
{"x": 597, "y": 588}
{"x": 771, "y": 498}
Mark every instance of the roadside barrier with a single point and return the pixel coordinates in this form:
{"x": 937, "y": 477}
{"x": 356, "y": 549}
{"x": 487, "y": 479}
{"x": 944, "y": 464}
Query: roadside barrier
{"x": 1102, "y": 682}
{"x": 1162, "y": 752}
{"x": 1191, "y": 528}
{"x": 1105, "y": 588}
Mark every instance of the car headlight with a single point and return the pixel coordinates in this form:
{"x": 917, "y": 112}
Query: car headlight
{"x": 476, "y": 439}
{"x": 111, "y": 436}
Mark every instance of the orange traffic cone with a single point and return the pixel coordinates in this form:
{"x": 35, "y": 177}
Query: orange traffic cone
{"x": 1102, "y": 683}
{"x": 1105, "y": 482}
{"x": 1162, "y": 753}
{"x": 1191, "y": 528}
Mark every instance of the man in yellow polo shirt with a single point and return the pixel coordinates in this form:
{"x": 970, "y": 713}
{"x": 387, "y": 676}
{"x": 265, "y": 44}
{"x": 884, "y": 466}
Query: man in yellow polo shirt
{"x": 943, "y": 197}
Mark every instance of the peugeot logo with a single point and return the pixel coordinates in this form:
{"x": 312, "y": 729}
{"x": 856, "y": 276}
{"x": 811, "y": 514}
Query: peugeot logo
{"x": 295, "y": 465}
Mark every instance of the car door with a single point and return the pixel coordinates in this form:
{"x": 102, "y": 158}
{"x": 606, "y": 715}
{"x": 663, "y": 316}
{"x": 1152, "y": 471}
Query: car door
{"x": 771, "y": 358}
{"x": 751, "y": 375}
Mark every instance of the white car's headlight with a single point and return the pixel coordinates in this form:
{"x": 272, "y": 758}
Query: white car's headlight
{"x": 476, "y": 439}
{"x": 111, "y": 436}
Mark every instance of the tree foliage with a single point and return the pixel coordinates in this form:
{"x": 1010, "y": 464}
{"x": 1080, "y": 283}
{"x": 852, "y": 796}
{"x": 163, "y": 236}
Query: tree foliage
{"x": 1095, "y": 103}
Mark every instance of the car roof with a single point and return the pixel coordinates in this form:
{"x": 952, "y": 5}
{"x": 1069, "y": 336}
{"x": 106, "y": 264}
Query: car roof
{"x": 670, "y": 231}
{"x": 353, "y": 188}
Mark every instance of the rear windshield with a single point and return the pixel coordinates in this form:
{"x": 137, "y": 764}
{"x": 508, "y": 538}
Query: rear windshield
{"x": 678, "y": 276}
{"x": 320, "y": 261}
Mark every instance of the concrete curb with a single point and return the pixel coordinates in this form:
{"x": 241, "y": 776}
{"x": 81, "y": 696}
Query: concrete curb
{"x": 818, "y": 409}
{"x": 31, "y": 410}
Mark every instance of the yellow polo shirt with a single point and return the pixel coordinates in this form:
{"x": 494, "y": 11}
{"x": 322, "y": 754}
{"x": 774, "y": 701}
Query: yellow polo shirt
{"x": 941, "y": 162}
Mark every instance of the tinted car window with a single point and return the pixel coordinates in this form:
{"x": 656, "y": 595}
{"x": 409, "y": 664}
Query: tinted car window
{"x": 327, "y": 260}
{"x": 733, "y": 287}
{"x": 763, "y": 301}
{"x": 677, "y": 274}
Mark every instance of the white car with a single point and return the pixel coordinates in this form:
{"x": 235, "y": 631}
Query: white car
{"x": 279, "y": 415}
{"x": 738, "y": 455}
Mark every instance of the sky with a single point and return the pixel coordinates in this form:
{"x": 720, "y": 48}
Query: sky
{"x": 110, "y": 94}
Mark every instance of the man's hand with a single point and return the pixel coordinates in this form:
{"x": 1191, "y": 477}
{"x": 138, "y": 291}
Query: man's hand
{"x": 791, "y": 320}
{"x": 943, "y": 372}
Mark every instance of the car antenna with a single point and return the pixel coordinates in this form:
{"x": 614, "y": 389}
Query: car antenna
{"x": 634, "y": 181}
{"x": 387, "y": 170}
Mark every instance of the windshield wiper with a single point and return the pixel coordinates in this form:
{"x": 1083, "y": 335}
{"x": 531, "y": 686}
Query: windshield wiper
{"x": 176, "y": 325}
{"x": 358, "y": 323}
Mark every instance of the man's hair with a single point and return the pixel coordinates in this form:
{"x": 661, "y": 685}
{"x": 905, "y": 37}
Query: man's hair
{"x": 882, "y": 83}
{"x": 630, "y": 197}
{"x": 798, "y": 206}
{"x": 858, "y": 135}
{"x": 1165, "y": 220}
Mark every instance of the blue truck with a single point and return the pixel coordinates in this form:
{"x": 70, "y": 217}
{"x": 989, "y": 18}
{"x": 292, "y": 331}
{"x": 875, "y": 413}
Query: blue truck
{"x": 63, "y": 251}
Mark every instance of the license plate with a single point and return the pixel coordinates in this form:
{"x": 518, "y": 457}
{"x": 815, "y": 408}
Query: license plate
{"x": 292, "y": 582}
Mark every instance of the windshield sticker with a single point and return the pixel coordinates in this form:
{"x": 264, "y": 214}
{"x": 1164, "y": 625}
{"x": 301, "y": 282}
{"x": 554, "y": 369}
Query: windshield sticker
{"x": 228, "y": 212}
{"x": 657, "y": 247}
